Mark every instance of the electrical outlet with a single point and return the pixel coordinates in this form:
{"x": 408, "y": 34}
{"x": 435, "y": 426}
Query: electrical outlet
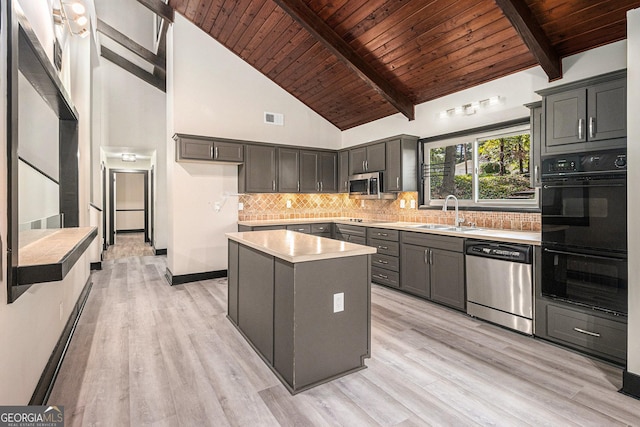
{"x": 362, "y": 203}
{"x": 403, "y": 204}
{"x": 412, "y": 204}
{"x": 288, "y": 204}
{"x": 240, "y": 206}
{"x": 338, "y": 302}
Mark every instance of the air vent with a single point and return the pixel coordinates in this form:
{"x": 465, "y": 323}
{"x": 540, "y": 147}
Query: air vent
{"x": 274, "y": 118}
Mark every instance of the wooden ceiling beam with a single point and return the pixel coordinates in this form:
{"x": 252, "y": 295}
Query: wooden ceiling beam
{"x": 137, "y": 71}
{"x": 319, "y": 29}
{"x": 159, "y": 7}
{"x": 533, "y": 36}
{"x": 131, "y": 45}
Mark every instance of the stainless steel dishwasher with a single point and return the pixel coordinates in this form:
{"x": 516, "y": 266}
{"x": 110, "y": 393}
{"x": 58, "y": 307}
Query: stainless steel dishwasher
{"x": 499, "y": 283}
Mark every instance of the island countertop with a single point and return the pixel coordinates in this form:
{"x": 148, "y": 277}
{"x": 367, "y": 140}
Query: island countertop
{"x": 296, "y": 247}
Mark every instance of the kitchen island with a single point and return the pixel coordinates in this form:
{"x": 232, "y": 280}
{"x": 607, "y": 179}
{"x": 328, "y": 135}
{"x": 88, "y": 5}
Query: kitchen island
{"x": 303, "y": 302}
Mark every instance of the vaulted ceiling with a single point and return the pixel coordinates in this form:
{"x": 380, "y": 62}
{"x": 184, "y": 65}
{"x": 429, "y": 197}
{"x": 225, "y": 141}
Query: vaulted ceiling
{"x": 355, "y": 61}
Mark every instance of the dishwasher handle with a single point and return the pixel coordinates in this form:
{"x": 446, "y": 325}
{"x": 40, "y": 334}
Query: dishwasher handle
{"x": 522, "y": 254}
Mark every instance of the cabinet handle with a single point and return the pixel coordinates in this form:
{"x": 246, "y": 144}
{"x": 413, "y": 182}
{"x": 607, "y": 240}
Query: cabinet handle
{"x": 346, "y": 186}
{"x": 383, "y": 247}
{"x": 298, "y": 185}
{"x": 211, "y": 151}
{"x": 536, "y": 174}
{"x": 382, "y": 276}
{"x": 215, "y": 151}
{"x": 366, "y": 164}
{"x": 273, "y": 185}
{"x": 426, "y": 256}
{"x": 321, "y": 186}
{"x": 582, "y": 331}
{"x": 592, "y": 127}
{"x": 381, "y": 261}
{"x": 382, "y": 234}
{"x": 397, "y": 182}
{"x": 364, "y": 168}
{"x": 580, "y": 128}
{"x": 430, "y": 257}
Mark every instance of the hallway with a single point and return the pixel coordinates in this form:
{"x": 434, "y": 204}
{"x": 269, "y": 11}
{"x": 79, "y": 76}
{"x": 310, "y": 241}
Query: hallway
{"x": 128, "y": 245}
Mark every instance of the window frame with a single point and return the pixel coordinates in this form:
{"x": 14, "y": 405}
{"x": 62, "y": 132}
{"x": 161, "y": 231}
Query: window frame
{"x": 475, "y": 136}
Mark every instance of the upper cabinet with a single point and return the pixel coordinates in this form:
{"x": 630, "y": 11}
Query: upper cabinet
{"x": 259, "y": 173}
{"x": 370, "y": 158}
{"x": 343, "y": 171}
{"x": 402, "y": 162}
{"x": 318, "y": 172}
{"x": 586, "y": 115}
{"x": 195, "y": 148}
{"x": 537, "y": 141}
{"x": 288, "y": 170}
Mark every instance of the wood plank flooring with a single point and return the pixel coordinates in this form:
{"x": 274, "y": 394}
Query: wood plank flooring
{"x": 146, "y": 353}
{"x": 128, "y": 245}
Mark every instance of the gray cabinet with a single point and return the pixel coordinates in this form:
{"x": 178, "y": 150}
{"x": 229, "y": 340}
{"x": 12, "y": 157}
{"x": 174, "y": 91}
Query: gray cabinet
{"x": 318, "y": 171}
{"x": 537, "y": 141}
{"x": 351, "y": 233}
{"x": 259, "y": 173}
{"x": 192, "y": 147}
{"x": 586, "y": 115}
{"x": 370, "y": 158}
{"x": 385, "y": 264}
{"x": 343, "y": 171}
{"x": 401, "y": 164}
{"x": 288, "y": 170}
{"x": 433, "y": 267}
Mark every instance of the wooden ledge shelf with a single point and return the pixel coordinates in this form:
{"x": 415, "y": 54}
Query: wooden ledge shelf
{"x": 52, "y": 254}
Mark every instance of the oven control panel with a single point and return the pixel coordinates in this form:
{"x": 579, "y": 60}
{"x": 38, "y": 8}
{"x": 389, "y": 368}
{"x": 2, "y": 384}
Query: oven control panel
{"x": 585, "y": 163}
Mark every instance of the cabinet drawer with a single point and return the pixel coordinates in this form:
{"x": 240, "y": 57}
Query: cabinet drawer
{"x": 382, "y": 234}
{"x": 325, "y": 235}
{"x": 268, "y": 227}
{"x": 320, "y": 228}
{"x": 385, "y": 277}
{"x": 455, "y": 244}
{"x": 358, "y": 240}
{"x": 300, "y": 228}
{"x": 593, "y": 333}
{"x": 385, "y": 247}
{"x": 385, "y": 261}
{"x": 351, "y": 229}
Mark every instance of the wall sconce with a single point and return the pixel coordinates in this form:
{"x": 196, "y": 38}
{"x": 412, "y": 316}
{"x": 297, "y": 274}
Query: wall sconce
{"x": 74, "y": 15}
{"x": 128, "y": 157}
{"x": 471, "y": 107}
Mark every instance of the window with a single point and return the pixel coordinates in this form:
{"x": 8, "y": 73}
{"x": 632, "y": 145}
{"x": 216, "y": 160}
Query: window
{"x": 484, "y": 168}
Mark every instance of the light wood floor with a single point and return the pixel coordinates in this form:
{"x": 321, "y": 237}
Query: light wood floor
{"x": 145, "y": 353}
{"x": 128, "y": 245}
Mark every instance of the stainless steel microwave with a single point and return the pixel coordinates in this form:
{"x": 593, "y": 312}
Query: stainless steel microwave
{"x": 368, "y": 186}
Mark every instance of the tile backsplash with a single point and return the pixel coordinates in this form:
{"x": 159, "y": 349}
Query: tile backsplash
{"x": 274, "y": 206}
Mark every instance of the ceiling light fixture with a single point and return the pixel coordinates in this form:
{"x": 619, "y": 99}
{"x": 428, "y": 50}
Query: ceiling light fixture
{"x": 471, "y": 108}
{"x": 128, "y": 157}
{"x": 78, "y": 8}
{"x": 74, "y": 16}
{"x": 81, "y": 20}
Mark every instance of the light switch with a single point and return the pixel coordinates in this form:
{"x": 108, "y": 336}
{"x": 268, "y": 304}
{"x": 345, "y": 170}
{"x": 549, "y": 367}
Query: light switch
{"x": 338, "y": 302}
{"x": 240, "y": 206}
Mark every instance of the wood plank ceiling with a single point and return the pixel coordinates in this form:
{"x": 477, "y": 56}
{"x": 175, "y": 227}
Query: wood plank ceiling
{"x": 401, "y": 51}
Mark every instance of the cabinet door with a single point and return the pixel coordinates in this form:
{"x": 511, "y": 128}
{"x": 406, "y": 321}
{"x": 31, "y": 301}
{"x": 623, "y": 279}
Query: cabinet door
{"x": 393, "y": 171}
{"x": 376, "y": 155}
{"x": 260, "y": 169}
{"x": 228, "y": 151}
{"x": 357, "y": 159}
{"x": 607, "y": 110}
{"x": 328, "y": 172}
{"x": 309, "y": 182}
{"x": 537, "y": 138}
{"x": 288, "y": 170}
{"x": 196, "y": 149}
{"x": 566, "y": 118}
{"x": 447, "y": 278}
{"x": 414, "y": 270}
{"x": 343, "y": 172}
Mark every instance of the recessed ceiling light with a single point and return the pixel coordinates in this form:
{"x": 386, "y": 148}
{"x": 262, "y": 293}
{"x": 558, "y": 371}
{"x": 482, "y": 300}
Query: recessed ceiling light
{"x": 81, "y": 20}
{"x": 128, "y": 157}
{"x": 78, "y": 8}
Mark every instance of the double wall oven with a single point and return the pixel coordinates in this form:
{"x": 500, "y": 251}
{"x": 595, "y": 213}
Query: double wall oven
{"x": 584, "y": 230}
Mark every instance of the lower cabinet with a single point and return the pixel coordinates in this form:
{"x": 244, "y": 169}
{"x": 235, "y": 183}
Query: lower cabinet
{"x": 351, "y": 233}
{"x": 385, "y": 264}
{"x": 433, "y": 267}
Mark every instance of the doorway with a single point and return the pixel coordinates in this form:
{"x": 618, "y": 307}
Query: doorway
{"x": 128, "y": 203}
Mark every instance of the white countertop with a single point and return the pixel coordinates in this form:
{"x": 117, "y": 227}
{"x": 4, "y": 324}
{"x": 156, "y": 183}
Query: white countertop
{"x": 511, "y": 236}
{"x": 296, "y": 247}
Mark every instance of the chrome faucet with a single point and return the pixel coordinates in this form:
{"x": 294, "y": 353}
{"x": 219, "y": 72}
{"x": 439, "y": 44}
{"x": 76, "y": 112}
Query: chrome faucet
{"x": 459, "y": 219}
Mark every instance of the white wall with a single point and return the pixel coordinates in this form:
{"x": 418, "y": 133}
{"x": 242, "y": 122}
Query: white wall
{"x": 515, "y": 91}
{"x": 38, "y": 196}
{"x": 218, "y": 94}
{"x": 32, "y": 325}
{"x": 633, "y": 201}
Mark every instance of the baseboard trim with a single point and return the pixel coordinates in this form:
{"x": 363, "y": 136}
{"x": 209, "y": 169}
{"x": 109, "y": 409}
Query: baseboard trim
{"x": 137, "y": 230}
{"x": 630, "y": 384}
{"x": 50, "y": 373}
{"x": 194, "y": 277}
{"x": 96, "y": 265}
{"x": 159, "y": 251}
